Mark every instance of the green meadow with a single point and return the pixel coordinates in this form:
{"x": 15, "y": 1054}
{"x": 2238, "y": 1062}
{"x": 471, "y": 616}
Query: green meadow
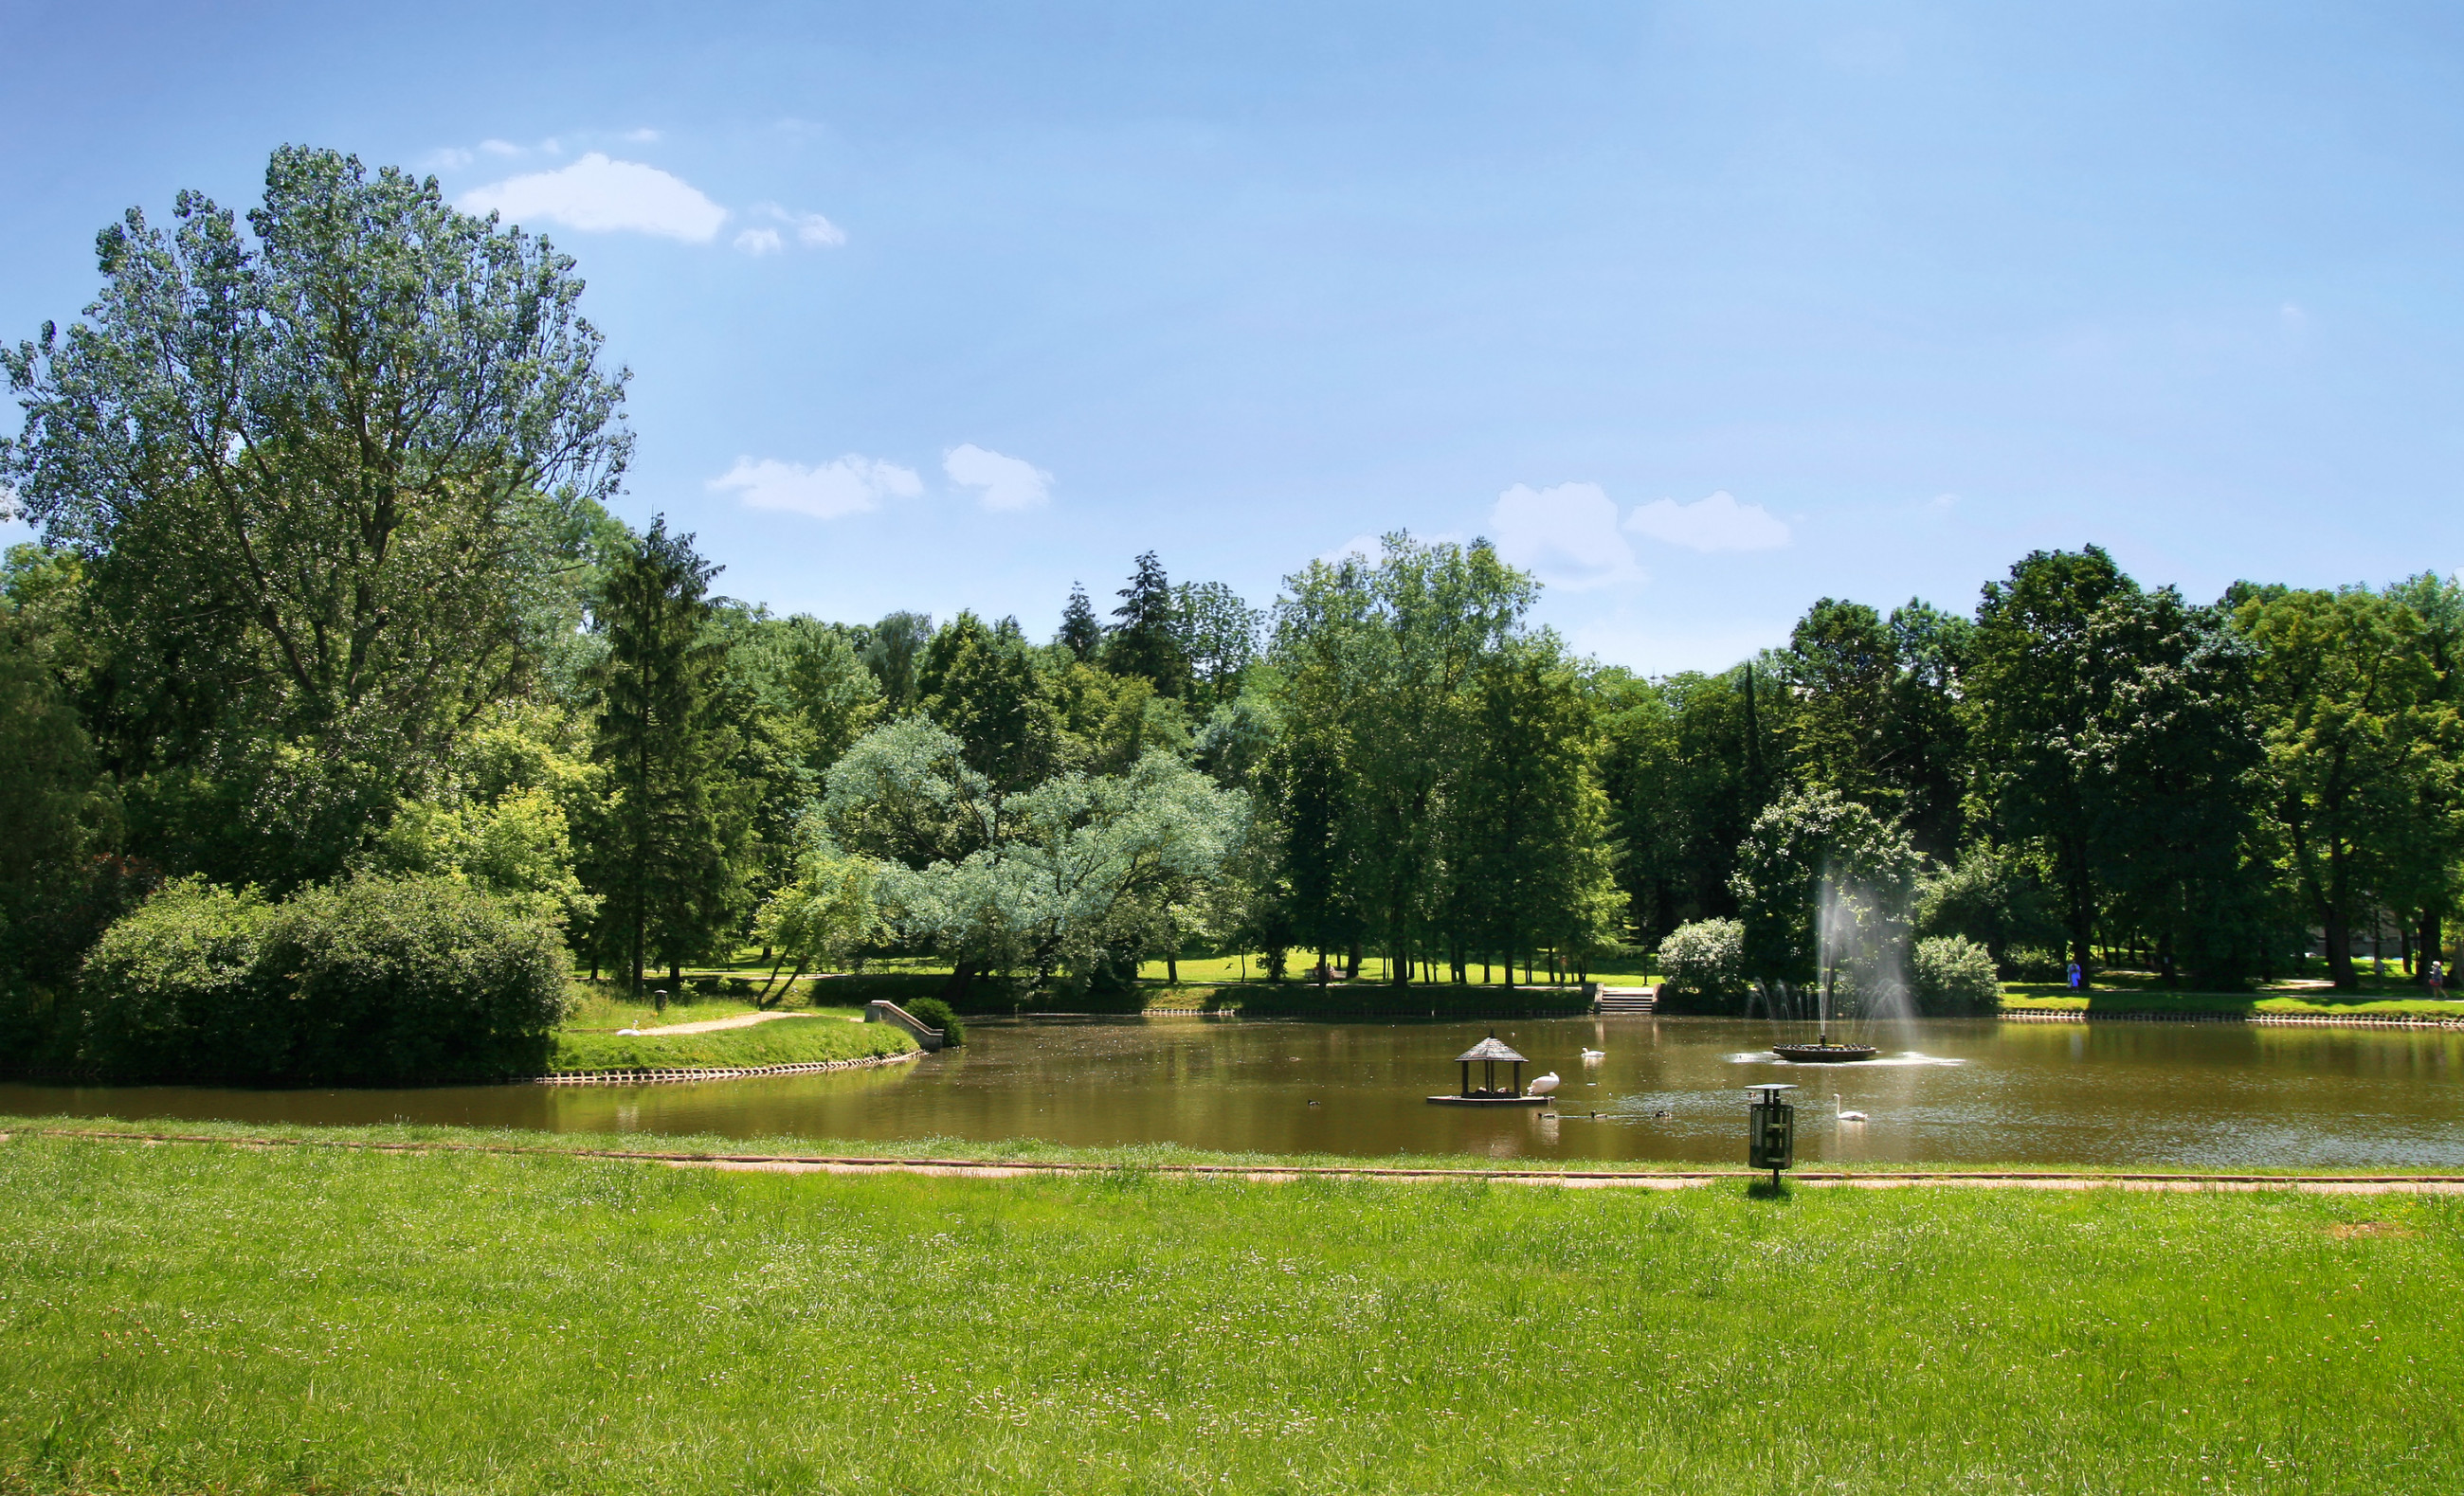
{"x": 194, "y": 1317}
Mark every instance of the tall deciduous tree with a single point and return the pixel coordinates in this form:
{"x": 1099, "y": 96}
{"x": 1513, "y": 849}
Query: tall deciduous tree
{"x": 978, "y": 682}
{"x": 312, "y": 468}
{"x": 1377, "y": 659}
{"x": 1529, "y": 860}
{"x": 2353, "y": 731}
{"x": 666, "y": 849}
{"x": 1217, "y": 634}
{"x": 893, "y": 650}
{"x": 2172, "y": 754}
{"x": 2038, "y": 680}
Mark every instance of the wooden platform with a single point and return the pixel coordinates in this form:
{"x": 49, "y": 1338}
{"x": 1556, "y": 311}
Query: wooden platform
{"x": 1490, "y": 1101}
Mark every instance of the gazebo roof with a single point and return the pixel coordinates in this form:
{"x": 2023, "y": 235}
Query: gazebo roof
{"x": 1490, "y": 1049}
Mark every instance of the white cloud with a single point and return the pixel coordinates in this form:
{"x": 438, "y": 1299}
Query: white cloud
{"x": 445, "y": 158}
{"x": 812, "y": 231}
{"x": 500, "y": 147}
{"x": 760, "y": 241}
{"x": 1008, "y": 482}
{"x": 852, "y": 485}
{"x": 818, "y": 232}
{"x": 642, "y": 137}
{"x": 1364, "y": 546}
{"x": 596, "y": 194}
{"x": 1717, "y": 523}
{"x": 1567, "y": 536}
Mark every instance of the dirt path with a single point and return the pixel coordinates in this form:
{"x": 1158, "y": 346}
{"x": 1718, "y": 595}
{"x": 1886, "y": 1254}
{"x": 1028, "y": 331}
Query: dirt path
{"x": 1268, "y": 1174}
{"x": 740, "y": 1021}
{"x": 951, "y": 1168}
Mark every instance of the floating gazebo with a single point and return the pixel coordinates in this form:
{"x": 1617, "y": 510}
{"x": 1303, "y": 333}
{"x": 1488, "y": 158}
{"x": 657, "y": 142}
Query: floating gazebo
{"x": 1490, "y": 1054}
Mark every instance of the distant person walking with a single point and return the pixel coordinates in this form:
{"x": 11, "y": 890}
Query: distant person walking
{"x": 2437, "y": 978}
{"x": 2075, "y": 976}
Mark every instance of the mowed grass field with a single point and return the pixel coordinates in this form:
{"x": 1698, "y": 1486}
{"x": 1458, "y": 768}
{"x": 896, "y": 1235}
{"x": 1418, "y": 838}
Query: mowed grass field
{"x": 192, "y": 1317}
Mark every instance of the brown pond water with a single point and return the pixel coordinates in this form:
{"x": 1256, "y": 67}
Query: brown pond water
{"x": 2209, "y": 1096}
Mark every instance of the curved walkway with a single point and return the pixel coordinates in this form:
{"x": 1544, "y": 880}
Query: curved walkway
{"x": 714, "y": 1025}
{"x": 1270, "y": 1174}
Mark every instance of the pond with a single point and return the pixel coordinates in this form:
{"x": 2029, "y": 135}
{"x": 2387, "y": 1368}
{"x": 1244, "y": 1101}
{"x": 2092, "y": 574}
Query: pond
{"x": 2207, "y": 1096}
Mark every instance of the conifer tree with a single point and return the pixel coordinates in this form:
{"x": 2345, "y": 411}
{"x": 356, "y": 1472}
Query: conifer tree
{"x": 665, "y": 848}
{"x": 1080, "y": 631}
{"x": 1146, "y": 642}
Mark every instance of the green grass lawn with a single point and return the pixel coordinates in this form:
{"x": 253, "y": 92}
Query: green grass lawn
{"x": 782, "y": 1041}
{"x": 183, "y": 1318}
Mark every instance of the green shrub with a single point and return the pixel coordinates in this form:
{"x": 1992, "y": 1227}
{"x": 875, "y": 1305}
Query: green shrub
{"x": 933, "y": 1013}
{"x": 1954, "y": 974}
{"x": 371, "y": 982}
{"x": 175, "y": 990}
{"x": 1705, "y": 967}
{"x": 415, "y": 978}
{"x": 2036, "y": 963}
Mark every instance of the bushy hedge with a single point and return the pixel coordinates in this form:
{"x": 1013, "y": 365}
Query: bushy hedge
{"x": 933, "y": 1013}
{"x": 1954, "y": 974}
{"x": 1704, "y": 968}
{"x": 376, "y": 982}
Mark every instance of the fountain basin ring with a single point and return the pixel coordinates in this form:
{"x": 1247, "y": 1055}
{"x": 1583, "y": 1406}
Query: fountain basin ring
{"x": 1823, "y": 1054}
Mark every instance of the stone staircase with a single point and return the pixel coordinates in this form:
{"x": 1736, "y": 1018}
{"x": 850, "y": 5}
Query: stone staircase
{"x": 1630, "y": 1002}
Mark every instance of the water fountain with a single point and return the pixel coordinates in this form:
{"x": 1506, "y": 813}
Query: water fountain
{"x": 1822, "y": 1051}
{"x": 1837, "y": 921}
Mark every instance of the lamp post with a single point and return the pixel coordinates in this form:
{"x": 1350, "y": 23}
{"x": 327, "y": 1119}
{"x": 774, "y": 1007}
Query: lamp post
{"x": 1771, "y": 1131}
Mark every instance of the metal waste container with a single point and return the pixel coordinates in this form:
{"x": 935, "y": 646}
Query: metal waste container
{"x": 1770, "y": 1136}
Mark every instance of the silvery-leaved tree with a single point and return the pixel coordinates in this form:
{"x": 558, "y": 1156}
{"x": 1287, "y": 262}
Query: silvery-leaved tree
{"x": 1096, "y": 870}
{"x": 317, "y": 468}
{"x": 1066, "y": 876}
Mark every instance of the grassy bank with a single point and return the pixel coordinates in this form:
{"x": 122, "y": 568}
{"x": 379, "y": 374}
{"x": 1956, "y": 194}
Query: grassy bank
{"x": 784, "y": 1041}
{"x": 183, "y": 1318}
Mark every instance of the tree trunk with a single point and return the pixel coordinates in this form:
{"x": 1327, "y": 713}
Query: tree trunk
{"x": 2081, "y": 892}
{"x": 1171, "y": 970}
{"x": 2339, "y": 953}
{"x": 2433, "y": 944}
{"x": 962, "y": 976}
{"x": 1351, "y": 962}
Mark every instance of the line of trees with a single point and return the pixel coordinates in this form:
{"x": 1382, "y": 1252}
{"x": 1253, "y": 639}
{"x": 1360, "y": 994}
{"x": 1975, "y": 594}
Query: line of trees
{"x": 327, "y": 591}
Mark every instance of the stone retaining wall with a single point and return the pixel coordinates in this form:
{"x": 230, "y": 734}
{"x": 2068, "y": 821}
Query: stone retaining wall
{"x": 665, "y": 1077}
{"x": 2274, "y": 1020}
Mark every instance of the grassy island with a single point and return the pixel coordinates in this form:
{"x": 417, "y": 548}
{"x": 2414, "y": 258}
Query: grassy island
{"x": 203, "y": 1317}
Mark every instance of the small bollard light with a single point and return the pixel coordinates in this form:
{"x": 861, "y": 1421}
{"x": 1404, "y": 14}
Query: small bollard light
{"x": 1771, "y": 1131}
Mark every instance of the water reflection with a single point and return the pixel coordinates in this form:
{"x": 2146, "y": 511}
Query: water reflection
{"x": 2210, "y": 1096}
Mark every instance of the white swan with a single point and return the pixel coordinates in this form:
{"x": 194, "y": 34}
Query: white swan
{"x": 1545, "y": 1086}
{"x": 1595, "y": 1056}
{"x": 1845, "y": 1116}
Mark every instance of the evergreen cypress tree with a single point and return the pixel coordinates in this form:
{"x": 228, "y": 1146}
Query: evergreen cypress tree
{"x": 1080, "y": 631}
{"x": 665, "y": 849}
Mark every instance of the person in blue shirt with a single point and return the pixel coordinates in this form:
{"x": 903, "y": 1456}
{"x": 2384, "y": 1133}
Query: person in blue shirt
{"x": 2075, "y": 976}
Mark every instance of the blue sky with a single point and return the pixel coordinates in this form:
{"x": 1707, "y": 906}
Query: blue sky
{"x": 1702, "y": 311}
